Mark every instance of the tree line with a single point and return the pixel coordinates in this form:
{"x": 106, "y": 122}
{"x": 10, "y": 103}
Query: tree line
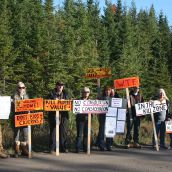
{"x": 40, "y": 44}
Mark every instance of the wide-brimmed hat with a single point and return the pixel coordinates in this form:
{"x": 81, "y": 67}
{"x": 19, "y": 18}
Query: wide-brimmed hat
{"x": 59, "y": 83}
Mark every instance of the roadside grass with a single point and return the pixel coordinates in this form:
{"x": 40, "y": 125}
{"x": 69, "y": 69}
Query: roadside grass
{"x": 40, "y": 134}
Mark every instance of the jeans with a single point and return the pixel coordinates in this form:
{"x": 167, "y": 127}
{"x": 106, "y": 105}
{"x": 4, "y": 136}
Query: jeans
{"x": 21, "y": 132}
{"x": 82, "y": 131}
{"x": 160, "y": 129}
{"x": 135, "y": 122}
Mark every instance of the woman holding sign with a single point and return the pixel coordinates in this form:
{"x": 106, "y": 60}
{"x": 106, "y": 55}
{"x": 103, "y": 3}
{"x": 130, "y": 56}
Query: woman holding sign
{"x": 82, "y": 124}
{"x": 108, "y": 93}
{"x": 20, "y": 133}
{"x": 160, "y": 118}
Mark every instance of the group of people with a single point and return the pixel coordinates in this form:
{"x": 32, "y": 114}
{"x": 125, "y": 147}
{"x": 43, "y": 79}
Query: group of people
{"x": 133, "y": 122}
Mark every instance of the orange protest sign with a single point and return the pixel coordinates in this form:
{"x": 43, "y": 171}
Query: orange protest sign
{"x": 57, "y": 105}
{"x": 29, "y": 119}
{"x": 29, "y": 105}
{"x": 126, "y": 83}
{"x": 98, "y": 72}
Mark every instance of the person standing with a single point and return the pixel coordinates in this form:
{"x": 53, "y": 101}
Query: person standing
{"x": 82, "y": 124}
{"x": 160, "y": 118}
{"x": 58, "y": 93}
{"x": 20, "y": 133}
{"x": 107, "y": 95}
{"x": 133, "y": 120}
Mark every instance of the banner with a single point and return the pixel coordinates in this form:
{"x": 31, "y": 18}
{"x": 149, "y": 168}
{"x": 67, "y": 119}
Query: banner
{"x": 98, "y": 72}
{"x": 29, "y": 119}
{"x": 57, "y": 105}
{"x": 5, "y": 107}
{"x": 126, "y": 83}
{"x": 29, "y": 105}
{"x": 90, "y": 106}
{"x": 150, "y": 107}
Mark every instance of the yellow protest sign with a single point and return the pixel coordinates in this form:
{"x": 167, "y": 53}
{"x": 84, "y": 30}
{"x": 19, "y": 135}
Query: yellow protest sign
{"x": 98, "y": 72}
{"x": 57, "y": 105}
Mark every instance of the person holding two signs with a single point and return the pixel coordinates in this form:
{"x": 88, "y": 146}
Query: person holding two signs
{"x": 20, "y": 133}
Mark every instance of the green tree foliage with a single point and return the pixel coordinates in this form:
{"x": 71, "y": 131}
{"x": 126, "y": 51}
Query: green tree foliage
{"x": 40, "y": 45}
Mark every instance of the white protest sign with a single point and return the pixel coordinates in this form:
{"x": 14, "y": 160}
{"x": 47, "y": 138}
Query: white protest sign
{"x": 116, "y": 102}
{"x": 110, "y": 127}
{"x": 122, "y": 114}
{"x": 168, "y": 127}
{"x": 112, "y": 112}
{"x": 90, "y": 106}
{"x": 150, "y": 107}
{"x": 120, "y": 127}
{"x": 5, "y": 107}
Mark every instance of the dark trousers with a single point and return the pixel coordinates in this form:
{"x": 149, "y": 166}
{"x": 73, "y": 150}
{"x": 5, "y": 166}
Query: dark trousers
{"x": 82, "y": 131}
{"x": 170, "y": 140}
{"x": 63, "y": 134}
{"x": 101, "y": 133}
{"x": 135, "y": 123}
{"x": 160, "y": 129}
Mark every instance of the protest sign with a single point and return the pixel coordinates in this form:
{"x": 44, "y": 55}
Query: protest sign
{"x": 5, "y": 107}
{"x": 29, "y": 119}
{"x": 169, "y": 127}
{"x": 126, "y": 83}
{"x": 110, "y": 127}
{"x": 111, "y": 112}
{"x": 90, "y": 106}
{"x": 57, "y": 105}
{"x": 116, "y": 102}
{"x": 98, "y": 72}
{"x": 28, "y": 105}
{"x": 150, "y": 107}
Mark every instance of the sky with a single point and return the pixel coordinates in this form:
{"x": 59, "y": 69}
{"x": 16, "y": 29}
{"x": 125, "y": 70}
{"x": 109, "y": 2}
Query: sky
{"x": 164, "y": 5}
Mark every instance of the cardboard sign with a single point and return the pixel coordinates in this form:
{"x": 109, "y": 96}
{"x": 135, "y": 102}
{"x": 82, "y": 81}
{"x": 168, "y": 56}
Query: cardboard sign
{"x": 29, "y": 105}
{"x": 126, "y": 83}
{"x": 57, "y": 105}
{"x": 90, "y": 106}
{"x": 169, "y": 127}
{"x": 98, "y": 72}
{"x": 5, "y": 107}
{"x": 150, "y": 107}
{"x": 29, "y": 119}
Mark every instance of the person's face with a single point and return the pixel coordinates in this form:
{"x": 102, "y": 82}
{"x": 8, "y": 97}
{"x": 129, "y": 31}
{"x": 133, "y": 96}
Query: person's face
{"x": 85, "y": 94}
{"x": 136, "y": 90}
{"x": 108, "y": 92}
{"x": 161, "y": 95}
{"x": 59, "y": 88}
{"x": 22, "y": 89}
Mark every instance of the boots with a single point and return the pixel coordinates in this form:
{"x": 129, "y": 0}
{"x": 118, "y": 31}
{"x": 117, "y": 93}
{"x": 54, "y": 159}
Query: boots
{"x": 3, "y": 154}
{"x": 17, "y": 149}
{"x": 24, "y": 148}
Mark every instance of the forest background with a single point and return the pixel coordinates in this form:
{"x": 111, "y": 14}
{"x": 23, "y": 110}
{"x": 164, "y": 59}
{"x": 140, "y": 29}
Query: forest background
{"x": 40, "y": 45}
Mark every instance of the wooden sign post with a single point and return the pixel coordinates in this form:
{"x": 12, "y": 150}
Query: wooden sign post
{"x": 57, "y": 105}
{"x": 126, "y": 83}
{"x": 90, "y": 107}
{"x": 151, "y": 107}
{"x": 30, "y": 118}
{"x": 154, "y": 130}
{"x": 89, "y": 134}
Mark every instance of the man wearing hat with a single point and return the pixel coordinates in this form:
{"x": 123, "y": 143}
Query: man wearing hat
{"x": 58, "y": 93}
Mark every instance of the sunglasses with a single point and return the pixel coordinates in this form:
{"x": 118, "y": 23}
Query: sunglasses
{"x": 21, "y": 87}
